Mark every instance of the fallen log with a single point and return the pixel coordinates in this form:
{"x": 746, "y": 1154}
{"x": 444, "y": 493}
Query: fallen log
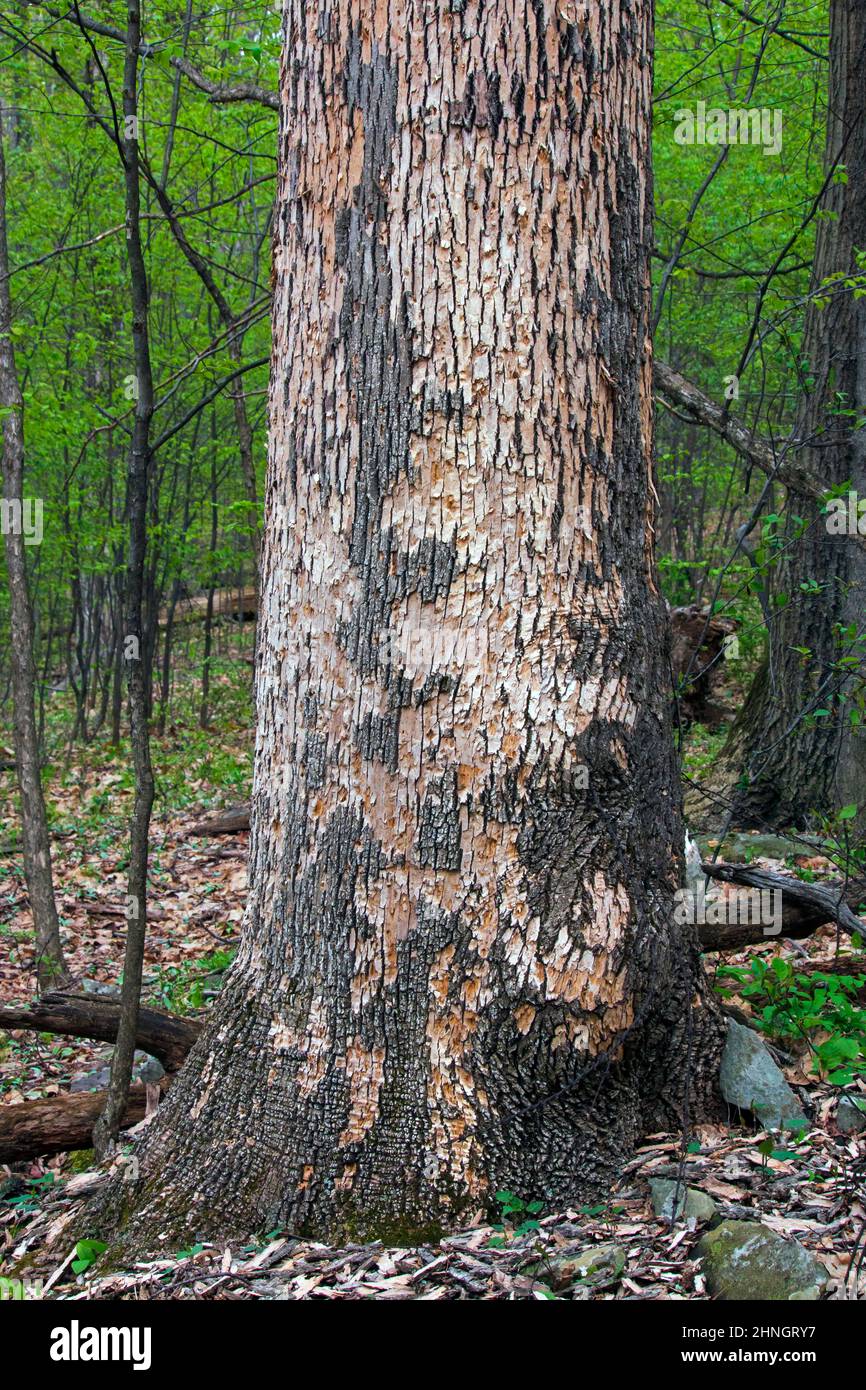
{"x": 228, "y": 823}
{"x": 98, "y": 909}
{"x": 164, "y": 1036}
{"x": 242, "y": 605}
{"x": 805, "y": 907}
{"x": 35, "y": 1128}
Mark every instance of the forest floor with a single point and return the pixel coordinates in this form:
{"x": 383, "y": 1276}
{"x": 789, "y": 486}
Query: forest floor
{"x": 812, "y": 1187}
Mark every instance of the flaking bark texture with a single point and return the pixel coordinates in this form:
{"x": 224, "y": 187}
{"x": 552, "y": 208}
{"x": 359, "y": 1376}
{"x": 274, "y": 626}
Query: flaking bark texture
{"x": 459, "y": 969}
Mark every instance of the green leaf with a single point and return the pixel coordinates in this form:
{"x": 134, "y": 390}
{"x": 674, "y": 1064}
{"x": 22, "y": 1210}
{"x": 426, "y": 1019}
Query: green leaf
{"x": 88, "y": 1252}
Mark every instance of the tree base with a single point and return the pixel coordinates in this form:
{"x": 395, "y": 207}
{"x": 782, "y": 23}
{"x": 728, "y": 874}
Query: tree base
{"x": 220, "y": 1169}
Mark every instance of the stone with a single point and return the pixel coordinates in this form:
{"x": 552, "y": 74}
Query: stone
{"x": 851, "y": 1114}
{"x": 743, "y": 1260}
{"x": 691, "y": 1202}
{"x": 750, "y": 1080}
{"x": 97, "y": 987}
{"x": 592, "y": 1265}
{"x": 145, "y": 1068}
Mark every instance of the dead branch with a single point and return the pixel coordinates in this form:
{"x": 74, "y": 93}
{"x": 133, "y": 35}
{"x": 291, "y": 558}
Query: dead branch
{"x": 229, "y": 823}
{"x": 60, "y": 1123}
{"x": 805, "y": 907}
{"x": 164, "y": 1036}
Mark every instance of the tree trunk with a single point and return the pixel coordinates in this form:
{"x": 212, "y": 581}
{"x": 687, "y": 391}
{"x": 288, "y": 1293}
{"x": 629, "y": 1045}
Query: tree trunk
{"x": 136, "y": 650}
{"x": 795, "y": 759}
{"x": 51, "y": 967}
{"x": 460, "y": 969}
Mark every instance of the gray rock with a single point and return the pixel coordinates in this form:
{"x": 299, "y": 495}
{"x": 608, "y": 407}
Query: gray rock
{"x": 144, "y": 1069}
{"x": 151, "y": 1071}
{"x": 593, "y": 1265}
{"x": 97, "y": 987}
{"x": 91, "y": 1080}
{"x": 750, "y": 1080}
{"x": 851, "y": 1114}
{"x": 691, "y": 1202}
{"x": 743, "y": 1260}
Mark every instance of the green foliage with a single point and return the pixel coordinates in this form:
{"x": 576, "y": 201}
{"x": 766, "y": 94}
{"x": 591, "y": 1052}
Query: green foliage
{"x": 71, "y": 300}
{"x": 87, "y": 1253}
{"x": 518, "y": 1218}
{"x": 29, "y": 1201}
{"x": 820, "y": 1009}
{"x": 180, "y": 988}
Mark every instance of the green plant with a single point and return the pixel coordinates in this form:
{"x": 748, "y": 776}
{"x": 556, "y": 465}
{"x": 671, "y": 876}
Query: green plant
{"x": 518, "y": 1219}
{"x": 604, "y": 1210}
{"x": 29, "y": 1201}
{"x": 87, "y": 1253}
{"x": 821, "y": 1009}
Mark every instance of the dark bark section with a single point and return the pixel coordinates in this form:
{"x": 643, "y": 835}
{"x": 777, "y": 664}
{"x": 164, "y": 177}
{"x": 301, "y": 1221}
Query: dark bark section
{"x": 164, "y": 1036}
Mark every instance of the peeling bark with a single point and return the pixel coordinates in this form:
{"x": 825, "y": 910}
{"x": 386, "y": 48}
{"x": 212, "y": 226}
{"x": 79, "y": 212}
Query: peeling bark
{"x": 460, "y": 968}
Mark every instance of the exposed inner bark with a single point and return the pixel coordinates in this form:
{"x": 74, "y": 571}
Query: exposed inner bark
{"x": 460, "y": 968}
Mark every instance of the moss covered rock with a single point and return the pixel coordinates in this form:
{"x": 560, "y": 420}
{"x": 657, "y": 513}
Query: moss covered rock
{"x": 592, "y": 1265}
{"x": 745, "y": 1260}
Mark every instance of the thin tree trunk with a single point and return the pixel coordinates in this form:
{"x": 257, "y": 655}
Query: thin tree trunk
{"x": 204, "y": 714}
{"x": 460, "y": 968}
{"x": 51, "y": 968}
{"x": 795, "y": 741}
{"x": 107, "y": 1127}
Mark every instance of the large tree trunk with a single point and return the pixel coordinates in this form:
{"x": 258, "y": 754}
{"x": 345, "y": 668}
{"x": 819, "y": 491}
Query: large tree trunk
{"x": 459, "y": 969}
{"x": 796, "y": 760}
